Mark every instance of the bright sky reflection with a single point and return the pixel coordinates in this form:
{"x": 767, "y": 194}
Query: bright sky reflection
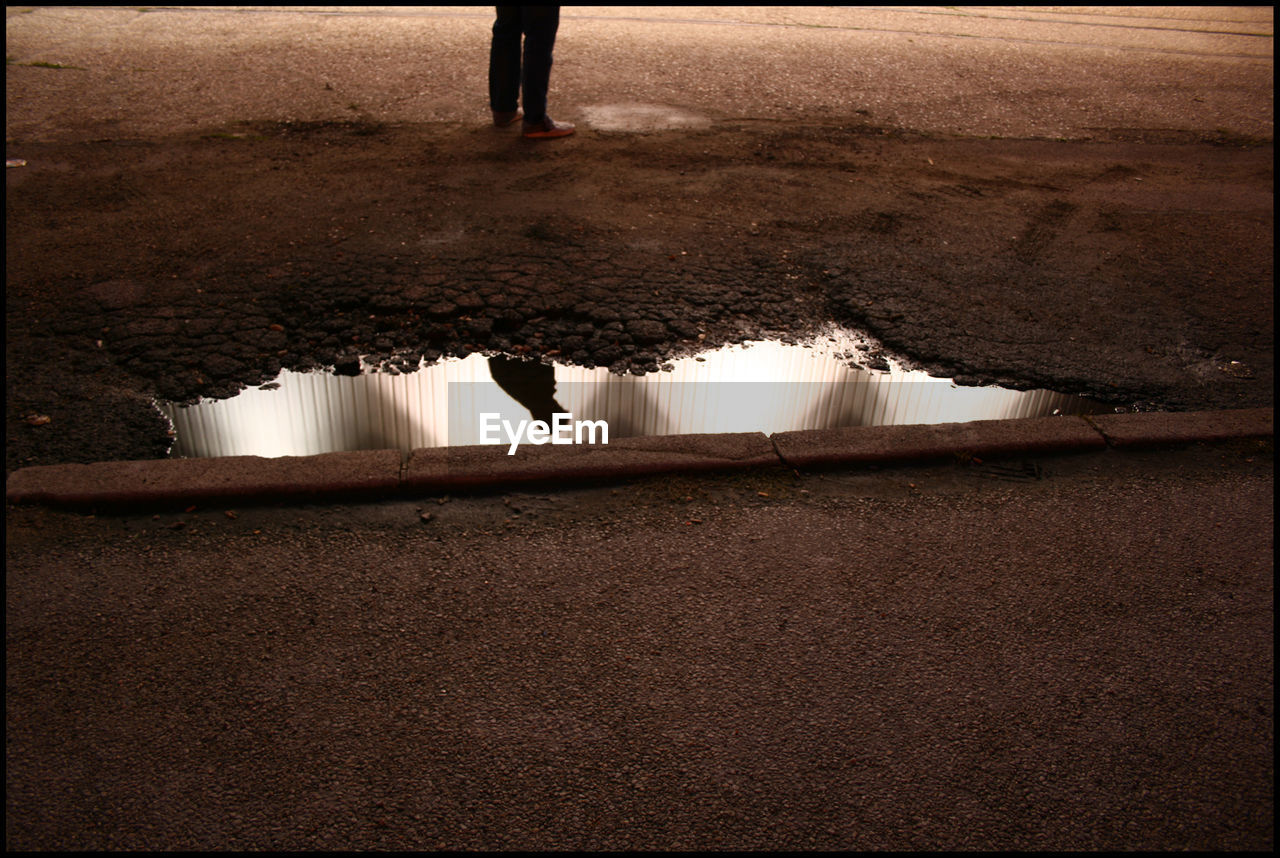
{"x": 762, "y": 386}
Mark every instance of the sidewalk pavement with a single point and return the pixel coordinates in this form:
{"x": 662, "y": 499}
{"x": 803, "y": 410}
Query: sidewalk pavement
{"x": 375, "y": 474}
{"x": 86, "y": 72}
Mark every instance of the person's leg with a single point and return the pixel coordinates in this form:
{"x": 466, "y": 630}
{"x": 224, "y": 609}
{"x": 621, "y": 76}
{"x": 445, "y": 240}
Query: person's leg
{"x": 540, "y": 24}
{"x": 504, "y": 60}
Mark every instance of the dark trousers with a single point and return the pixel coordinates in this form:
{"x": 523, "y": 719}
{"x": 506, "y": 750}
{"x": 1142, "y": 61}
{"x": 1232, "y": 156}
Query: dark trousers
{"x": 508, "y": 75}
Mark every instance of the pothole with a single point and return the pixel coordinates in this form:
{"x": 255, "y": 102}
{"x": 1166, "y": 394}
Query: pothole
{"x": 754, "y": 387}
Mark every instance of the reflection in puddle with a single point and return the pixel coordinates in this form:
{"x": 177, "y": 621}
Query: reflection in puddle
{"x": 765, "y": 386}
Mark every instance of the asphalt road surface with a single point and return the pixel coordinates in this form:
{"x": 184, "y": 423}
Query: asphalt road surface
{"x": 1052, "y": 653}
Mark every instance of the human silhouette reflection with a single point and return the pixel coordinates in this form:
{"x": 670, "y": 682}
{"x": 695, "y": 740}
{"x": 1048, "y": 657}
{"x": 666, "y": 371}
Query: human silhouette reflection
{"x": 529, "y": 382}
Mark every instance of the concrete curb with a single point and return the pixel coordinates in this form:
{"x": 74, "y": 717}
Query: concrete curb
{"x": 233, "y": 478}
{"x": 1155, "y": 429}
{"x": 445, "y": 469}
{"x": 932, "y": 441}
{"x": 380, "y": 473}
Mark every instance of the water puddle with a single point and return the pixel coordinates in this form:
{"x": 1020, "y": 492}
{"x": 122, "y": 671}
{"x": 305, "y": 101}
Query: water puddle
{"x": 759, "y": 386}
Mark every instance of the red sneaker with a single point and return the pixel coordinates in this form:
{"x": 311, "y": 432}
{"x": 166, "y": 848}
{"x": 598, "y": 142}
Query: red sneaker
{"x": 547, "y": 129}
